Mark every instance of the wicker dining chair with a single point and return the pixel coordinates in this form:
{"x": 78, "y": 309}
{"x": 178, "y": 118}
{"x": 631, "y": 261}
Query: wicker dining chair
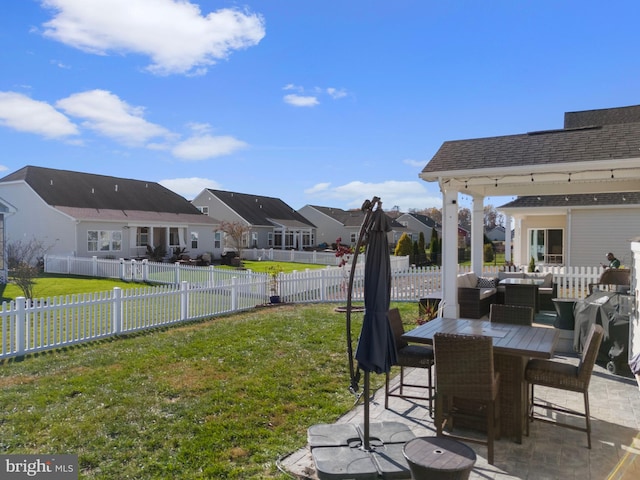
{"x": 416, "y": 356}
{"x": 564, "y": 376}
{"x": 511, "y": 314}
{"x": 465, "y": 372}
{"x": 517, "y": 294}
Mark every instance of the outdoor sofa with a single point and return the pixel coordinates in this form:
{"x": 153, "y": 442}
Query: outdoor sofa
{"x": 475, "y": 295}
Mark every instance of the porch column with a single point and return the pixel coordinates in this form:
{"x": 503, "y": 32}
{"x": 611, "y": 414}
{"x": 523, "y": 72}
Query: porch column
{"x": 477, "y": 235}
{"x": 450, "y": 253}
{"x": 507, "y": 238}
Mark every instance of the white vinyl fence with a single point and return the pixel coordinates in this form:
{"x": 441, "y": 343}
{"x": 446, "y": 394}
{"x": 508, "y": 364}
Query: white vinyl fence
{"x": 192, "y": 293}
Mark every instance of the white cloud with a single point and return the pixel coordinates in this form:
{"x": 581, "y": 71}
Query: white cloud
{"x": 19, "y": 112}
{"x": 405, "y": 195}
{"x": 301, "y": 101}
{"x": 415, "y": 163}
{"x": 336, "y": 93}
{"x": 202, "y": 147}
{"x": 108, "y": 115}
{"x": 173, "y": 33}
{"x": 318, "y": 188}
{"x": 189, "y": 187}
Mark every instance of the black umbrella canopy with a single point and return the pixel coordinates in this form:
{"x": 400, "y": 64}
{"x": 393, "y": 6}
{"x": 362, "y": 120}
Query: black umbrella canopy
{"x": 376, "y": 351}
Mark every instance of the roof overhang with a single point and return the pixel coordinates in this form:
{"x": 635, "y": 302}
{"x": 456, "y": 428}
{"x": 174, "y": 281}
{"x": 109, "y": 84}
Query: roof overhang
{"x": 620, "y": 175}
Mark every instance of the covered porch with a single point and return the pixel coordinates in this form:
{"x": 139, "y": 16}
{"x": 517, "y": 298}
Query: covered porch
{"x": 597, "y": 152}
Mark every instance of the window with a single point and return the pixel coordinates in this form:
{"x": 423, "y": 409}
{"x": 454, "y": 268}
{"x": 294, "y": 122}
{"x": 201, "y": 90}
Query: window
{"x": 204, "y": 210}
{"x": 217, "y": 240}
{"x": 104, "y": 240}
{"x": 270, "y": 239}
{"x": 142, "y": 236}
{"x": 194, "y": 239}
{"x": 174, "y": 238}
{"x": 354, "y": 238}
{"x": 254, "y": 239}
{"x": 546, "y": 245}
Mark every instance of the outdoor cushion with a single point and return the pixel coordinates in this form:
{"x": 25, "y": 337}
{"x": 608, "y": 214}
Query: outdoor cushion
{"x": 487, "y": 282}
{"x": 486, "y": 293}
{"x": 467, "y": 280}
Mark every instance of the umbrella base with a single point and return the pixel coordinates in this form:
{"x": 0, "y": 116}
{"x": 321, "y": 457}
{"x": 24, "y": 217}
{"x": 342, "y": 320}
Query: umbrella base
{"x": 338, "y": 453}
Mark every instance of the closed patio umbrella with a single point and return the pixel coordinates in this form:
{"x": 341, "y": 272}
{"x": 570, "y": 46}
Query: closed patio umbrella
{"x": 376, "y": 351}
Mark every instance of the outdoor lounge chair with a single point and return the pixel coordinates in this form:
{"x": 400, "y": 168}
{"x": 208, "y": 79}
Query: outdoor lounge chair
{"x": 417, "y": 356}
{"x": 464, "y": 371}
{"x": 565, "y": 376}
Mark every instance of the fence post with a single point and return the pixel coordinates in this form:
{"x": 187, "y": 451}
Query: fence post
{"x": 122, "y": 277}
{"x": 116, "y": 317}
{"x": 234, "y": 293}
{"x": 177, "y": 273}
{"x": 184, "y": 300}
{"x": 145, "y": 270}
{"x": 21, "y": 325}
{"x": 94, "y": 266}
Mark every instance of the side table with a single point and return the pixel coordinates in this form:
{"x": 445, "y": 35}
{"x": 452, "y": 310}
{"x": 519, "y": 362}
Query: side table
{"x": 564, "y": 313}
{"x": 439, "y": 458}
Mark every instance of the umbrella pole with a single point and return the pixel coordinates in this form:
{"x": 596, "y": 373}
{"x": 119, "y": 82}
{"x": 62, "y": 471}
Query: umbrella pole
{"x": 367, "y": 443}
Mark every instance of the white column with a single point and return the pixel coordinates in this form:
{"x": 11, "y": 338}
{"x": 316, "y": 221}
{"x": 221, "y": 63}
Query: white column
{"x": 450, "y": 253}
{"x": 507, "y": 238}
{"x": 477, "y": 235}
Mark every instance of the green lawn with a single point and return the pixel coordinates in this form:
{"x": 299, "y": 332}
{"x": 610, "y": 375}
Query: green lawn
{"x": 223, "y": 398}
{"x": 50, "y": 285}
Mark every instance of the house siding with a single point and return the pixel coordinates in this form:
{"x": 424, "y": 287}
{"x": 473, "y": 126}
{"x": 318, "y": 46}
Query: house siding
{"x": 328, "y": 229}
{"x": 596, "y": 232}
{"x": 54, "y": 229}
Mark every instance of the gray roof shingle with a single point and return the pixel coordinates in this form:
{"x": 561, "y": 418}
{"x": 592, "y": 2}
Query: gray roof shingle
{"x": 575, "y": 200}
{"x": 63, "y": 188}
{"x": 262, "y": 211}
{"x": 588, "y": 144}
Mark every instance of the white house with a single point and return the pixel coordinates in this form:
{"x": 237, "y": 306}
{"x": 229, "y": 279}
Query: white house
{"x": 88, "y": 215}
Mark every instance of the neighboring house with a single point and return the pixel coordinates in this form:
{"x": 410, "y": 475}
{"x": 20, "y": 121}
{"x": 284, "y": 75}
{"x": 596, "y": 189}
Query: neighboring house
{"x": 5, "y": 210}
{"x": 334, "y": 223}
{"x": 88, "y": 215}
{"x": 574, "y": 230}
{"x": 416, "y": 223}
{"x": 271, "y": 222}
{"x": 495, "y": 234}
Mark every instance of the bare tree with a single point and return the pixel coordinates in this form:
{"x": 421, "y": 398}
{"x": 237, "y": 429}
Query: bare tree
{"x": 433, "y": 213}
{"x": 24, "y": 260}
{"x": 234, "y": 234}
{"x": 492, "y": 218}
{"x": 464, "y": 218}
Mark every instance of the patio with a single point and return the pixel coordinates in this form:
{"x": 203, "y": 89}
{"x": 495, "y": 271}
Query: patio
{"x": 549, "y": 452}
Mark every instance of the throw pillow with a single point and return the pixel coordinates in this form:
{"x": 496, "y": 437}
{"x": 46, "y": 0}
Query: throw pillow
{"x": 486, "y": 282}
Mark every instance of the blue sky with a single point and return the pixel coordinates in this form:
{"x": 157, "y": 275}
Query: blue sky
{"x": 315, "y": 102}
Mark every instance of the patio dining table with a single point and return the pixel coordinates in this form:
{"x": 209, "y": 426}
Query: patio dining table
{"x": 513, "y": 345}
